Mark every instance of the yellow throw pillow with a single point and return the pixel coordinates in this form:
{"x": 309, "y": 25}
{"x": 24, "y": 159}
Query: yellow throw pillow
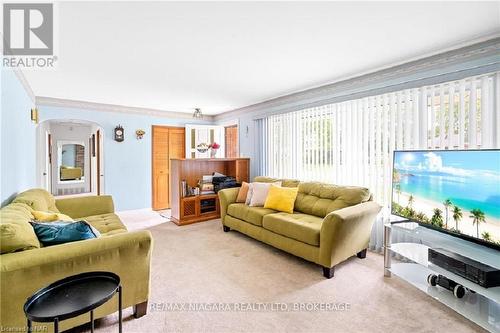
{"x": 49, "y": 216}
{"x": 64, "y": 217}
{"x": 281, "y": 198}
{"x": 44, "y": 216}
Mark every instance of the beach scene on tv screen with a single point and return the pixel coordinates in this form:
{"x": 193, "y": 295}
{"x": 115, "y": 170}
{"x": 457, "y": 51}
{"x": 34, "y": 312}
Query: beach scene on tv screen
{"x": 455, "y": 190}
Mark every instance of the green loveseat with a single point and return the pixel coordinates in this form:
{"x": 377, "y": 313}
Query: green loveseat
{"x": 329, "y": 224}
{"x": 26, "y": 266}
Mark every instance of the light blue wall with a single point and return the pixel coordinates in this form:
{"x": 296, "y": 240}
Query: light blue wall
{"x": 17, "y": 138}
{"x": 127, "y": 164}
{"x": 248, "y": 143}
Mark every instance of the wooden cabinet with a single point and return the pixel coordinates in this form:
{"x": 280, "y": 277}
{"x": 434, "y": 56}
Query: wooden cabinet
{"x": 167, "y": 143}
{"x": 201, "y": 207}
{"x": 231, "y": 137}
{"x": 198, "y": 208}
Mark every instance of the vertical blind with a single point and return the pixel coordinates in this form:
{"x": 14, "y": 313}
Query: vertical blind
{"x": 351, "y": 143}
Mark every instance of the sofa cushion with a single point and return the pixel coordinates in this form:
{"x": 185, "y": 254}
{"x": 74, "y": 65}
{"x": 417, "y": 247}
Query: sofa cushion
{"x": 90, "y": 205}
{"x": 106, "y": 224}
{"x": 249, "y": 214}
{"x": 38, "y": 199}
{"x": 283, "y": 182}
{"x": 16, "y": 232}
{"x": 320, "y": 199}
{"x": 302, "y": 227}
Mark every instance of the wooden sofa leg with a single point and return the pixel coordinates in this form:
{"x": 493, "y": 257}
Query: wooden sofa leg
{"x": 140, "y": 309}
{"x": 361, "y": 254}
{"x": 225, "y": 228}
{"x": 328, "y": 272}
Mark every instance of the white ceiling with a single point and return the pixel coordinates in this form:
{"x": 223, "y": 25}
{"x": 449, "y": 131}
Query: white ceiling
{"x": 221, "y": 56}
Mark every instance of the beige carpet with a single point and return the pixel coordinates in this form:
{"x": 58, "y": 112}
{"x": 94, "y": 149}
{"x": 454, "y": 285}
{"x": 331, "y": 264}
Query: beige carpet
{"x": 201, "y": 264}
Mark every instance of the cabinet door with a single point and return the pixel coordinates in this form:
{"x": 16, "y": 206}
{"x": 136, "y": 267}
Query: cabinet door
{"x": 189, "y": 208}
{"x": 160, "y": 166}
{"x": 231, "y": 140}
{"x": 168, "y": 142}
{"x": 176, "y": 149}
{"x": 176, "y": 142}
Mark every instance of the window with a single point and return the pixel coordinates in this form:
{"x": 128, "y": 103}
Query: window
{"x": 351, "y": 143}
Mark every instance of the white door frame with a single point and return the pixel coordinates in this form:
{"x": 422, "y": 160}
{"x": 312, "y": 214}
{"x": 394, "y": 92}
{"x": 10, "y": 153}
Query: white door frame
{"x": 43, "y": 167}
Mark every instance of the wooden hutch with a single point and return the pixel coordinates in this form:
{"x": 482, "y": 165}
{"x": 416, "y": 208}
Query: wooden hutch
{"x": 197, "y": 208}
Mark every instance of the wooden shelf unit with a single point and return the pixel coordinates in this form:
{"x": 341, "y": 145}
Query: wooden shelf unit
{"x": 187, "y": 210}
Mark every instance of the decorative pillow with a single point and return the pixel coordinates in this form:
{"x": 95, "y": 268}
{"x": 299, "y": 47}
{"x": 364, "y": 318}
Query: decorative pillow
{"x": 242, "y": 193}
{"x": 259, "y": 193}
{"x": 249, "y": 194}
{"x": 16, "y": 232}
{"x": 281, "y": 198}
{"x": 49, "y": 216}
{"x": 64, "y": 217}
{"x": 63, "y": 232}
{"x": 14, "y": 237}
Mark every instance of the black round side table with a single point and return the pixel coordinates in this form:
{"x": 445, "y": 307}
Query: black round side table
{"x": 73, "y": 296}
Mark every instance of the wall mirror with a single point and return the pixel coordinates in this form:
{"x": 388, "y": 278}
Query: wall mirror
{"x": 71, "y": 161}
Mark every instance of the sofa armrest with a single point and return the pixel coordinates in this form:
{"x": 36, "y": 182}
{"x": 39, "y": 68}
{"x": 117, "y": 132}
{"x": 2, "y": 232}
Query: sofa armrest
{"x": 346, "y": 231}
{"x": 226, "y": 197}
{"x": 86, "y": 206}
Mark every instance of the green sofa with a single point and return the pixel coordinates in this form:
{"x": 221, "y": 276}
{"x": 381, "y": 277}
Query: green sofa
{"x": 329, "y": 224}
{"x": 26, "y": 266}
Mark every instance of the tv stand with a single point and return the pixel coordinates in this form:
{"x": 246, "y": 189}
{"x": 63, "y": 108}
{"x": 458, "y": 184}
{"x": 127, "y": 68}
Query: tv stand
{"x": 481, "y": 306}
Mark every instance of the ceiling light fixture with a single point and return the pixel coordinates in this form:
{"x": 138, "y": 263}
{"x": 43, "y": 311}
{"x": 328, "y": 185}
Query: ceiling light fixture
{"x": 197, "y": 113}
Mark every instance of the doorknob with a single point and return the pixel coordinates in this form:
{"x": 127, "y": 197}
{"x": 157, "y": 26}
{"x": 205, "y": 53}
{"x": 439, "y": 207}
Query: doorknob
{"x": 45, "y": 174}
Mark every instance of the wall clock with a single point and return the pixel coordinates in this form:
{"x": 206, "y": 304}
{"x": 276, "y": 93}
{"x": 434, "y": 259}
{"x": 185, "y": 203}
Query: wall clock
{"x": 119, "y": 133}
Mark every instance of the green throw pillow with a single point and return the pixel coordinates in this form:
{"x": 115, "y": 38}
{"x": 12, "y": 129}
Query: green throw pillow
{"x": 14, "y": 237}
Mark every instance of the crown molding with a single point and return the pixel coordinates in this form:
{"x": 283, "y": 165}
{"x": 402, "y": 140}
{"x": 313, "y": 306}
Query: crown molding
{"x": 18, "y": 72}
{"x": 75, "y": 104}
{"x": 25, "y": 84}
{"x": 483, "y": 47}
{"x": 487, "y": 46}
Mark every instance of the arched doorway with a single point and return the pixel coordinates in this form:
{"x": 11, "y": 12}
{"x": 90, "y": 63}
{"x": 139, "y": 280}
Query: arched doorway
{"x": 70, "y": 157}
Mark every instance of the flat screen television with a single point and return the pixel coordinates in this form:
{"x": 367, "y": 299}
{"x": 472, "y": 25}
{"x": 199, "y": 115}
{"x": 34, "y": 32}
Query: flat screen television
{"x": 452, "y": 191}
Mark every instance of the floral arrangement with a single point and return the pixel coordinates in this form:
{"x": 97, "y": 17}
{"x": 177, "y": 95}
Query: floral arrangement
{"x": 214, "y": 145}
{"x": 140, "y": 133}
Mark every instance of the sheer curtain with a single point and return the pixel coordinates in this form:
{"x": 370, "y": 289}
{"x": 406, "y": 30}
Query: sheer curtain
{"x": 351, "y": 143}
